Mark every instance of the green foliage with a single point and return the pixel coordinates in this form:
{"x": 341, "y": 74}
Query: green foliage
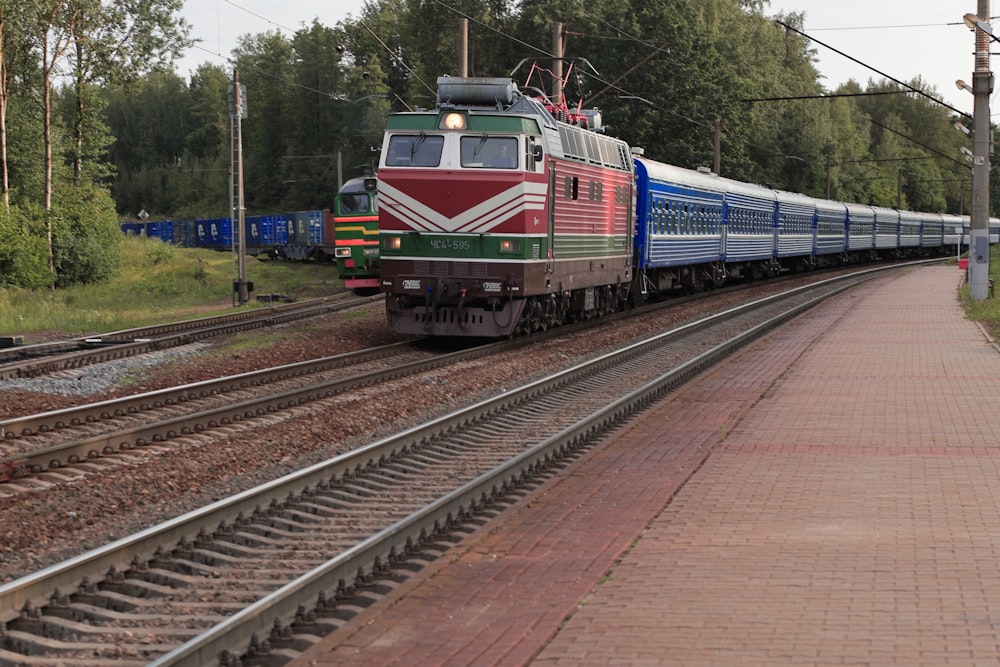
{"x": 664, "y": 75}
{"x": 83, "y": 107}
{"x": 350, "y": 119}
{"x": 86, "y": 236}
{"x": 23, "y": 250}
{"x": 261, "y": 61}
{"x": 119, "y": 40}
{"x": 26, "y": 171}
{"x": 172, "y": 150}
{"x": 56, "y": 139}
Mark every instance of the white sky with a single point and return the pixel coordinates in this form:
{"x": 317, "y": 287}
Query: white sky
{"x": 901, "y": 38}
{"x": 220, "y": 23}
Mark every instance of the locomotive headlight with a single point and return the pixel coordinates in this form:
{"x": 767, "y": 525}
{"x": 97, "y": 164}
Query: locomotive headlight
{"x": 510, "y": 246}
{"x": 391, "y": 243}
{"x": 342, "y": 252}
{"x": 453, "y": 121}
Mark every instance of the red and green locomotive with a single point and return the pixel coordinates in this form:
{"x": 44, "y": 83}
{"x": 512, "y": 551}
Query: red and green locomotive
{"x": 501, "y": 213}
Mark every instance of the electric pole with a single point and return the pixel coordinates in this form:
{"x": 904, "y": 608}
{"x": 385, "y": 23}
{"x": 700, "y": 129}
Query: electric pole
{"x": 982, "y": 88}
{"x": 240, "y": 284}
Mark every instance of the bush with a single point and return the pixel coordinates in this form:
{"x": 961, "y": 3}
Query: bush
{"x": 158, "y": 252}
{"x": 23, "y": 252}
{"x": 86, "y": 238}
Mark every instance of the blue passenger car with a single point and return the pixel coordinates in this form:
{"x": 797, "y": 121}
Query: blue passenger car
{"x": 860, "y": 227}
{"x": 931, "y": 230}
{"x": 680, "y": 219}
{"x": 953, "y": 228}
{"x": 886, "y": 228}
{"x": 909, "y": 229}
{"x": 750, "y": 222}
{"x": 831, "y": 228}
{"x": 796, "y": 225}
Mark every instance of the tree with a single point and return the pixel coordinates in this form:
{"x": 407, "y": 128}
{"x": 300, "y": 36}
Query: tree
{"x": 22, "y": 250}
{"x": 151, "y": 122}
{"x": 372, "y": 36}
{"x": 317, "y": 128}
{"x": 115, "y": 40}
{"x": 266, "y": 64}
{"x": 339, "y": 109}
{"x": 18, "y": 88}
{"x": 53, "y": 32}
{"x": 205, "y": 169}
{"x": 5, "y": 183}
{"x": 87, "y": 237}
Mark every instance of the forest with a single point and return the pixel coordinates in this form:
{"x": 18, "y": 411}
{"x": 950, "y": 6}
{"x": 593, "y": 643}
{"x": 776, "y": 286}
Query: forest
{"x": 96, "y": 126}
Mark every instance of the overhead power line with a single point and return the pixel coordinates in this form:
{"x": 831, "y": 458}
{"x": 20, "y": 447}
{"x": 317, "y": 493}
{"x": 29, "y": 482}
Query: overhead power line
{"x": 918, "y": 143}
{"x": 827, "y": 97}
{"x": 880, "y": 73}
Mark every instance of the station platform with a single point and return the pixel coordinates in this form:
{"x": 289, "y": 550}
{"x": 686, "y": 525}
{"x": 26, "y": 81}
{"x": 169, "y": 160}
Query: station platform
{"x": 829, "y": 496}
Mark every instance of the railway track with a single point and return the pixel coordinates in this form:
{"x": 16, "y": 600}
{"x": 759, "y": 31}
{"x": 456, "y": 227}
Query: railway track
{"x": 56, "y": 440}
{"x": 256, "y": 577}
{"x": 60, "y": 440}
{"x": 42, "y": 358}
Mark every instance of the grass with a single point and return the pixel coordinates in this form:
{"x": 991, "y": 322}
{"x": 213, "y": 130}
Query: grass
{"x": 986, "y": 311}
{"x": 156, "y": 283}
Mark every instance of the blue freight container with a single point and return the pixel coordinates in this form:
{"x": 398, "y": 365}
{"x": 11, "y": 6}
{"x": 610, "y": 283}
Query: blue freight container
{"x": 162, "y": 230}
{"x": 253, "y": 237}
{"x": 213, "y": 233}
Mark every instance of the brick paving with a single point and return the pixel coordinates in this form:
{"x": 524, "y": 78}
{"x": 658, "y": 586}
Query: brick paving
{"x": 830, "y": 496}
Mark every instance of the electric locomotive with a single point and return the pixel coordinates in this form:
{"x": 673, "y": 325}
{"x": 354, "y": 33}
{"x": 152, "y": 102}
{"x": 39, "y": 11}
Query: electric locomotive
{"x": 502, "y": 212}
{"x": 355, "y": 234}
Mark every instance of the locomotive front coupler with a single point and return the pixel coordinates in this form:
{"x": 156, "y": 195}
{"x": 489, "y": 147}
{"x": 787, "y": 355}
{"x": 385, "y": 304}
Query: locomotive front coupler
{"x": 443, "y": 292}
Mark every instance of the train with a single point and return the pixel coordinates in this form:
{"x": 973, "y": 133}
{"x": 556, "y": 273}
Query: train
{"x": 346, "y": 234}
{"x": 356, "y": 235}
{"x": 579, "y": 224}
{"x": 264, "y": 234}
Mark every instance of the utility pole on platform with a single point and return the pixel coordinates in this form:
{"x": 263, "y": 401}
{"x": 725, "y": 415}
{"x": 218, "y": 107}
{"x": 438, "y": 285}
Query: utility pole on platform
{"x": 982, "y": 88}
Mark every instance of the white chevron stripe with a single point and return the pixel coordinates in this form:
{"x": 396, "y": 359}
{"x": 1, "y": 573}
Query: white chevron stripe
{"x": 410, "y": 218}
{"x": 478, "y": 219}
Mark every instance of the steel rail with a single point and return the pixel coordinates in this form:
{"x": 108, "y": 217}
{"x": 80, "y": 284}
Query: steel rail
{"x": 36, "y": 588}
{"x": 374, "y": 557}
{"x": 141, "y": 340}
{"x": 92, "y": 412}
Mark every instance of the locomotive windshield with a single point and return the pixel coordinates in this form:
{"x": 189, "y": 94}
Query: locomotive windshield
{"x": 354, "y": 203}
{"x": 492, "y": 152}
{"x": 477, "y": 151}
{"x": 414, "y": 150}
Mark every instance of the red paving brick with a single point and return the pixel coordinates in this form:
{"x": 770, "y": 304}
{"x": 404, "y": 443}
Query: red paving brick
{"x": 830, "y": 496}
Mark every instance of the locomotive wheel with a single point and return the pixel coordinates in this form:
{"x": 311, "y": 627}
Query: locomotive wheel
{"x": 526, "y": 324}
